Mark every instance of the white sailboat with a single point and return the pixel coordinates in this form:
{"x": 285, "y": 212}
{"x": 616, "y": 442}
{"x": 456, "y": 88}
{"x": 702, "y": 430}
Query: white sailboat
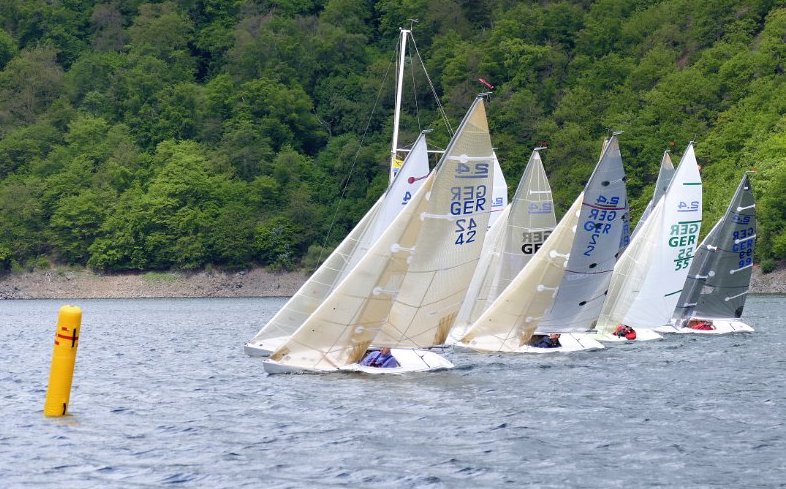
{"x": 413, "y": 170}
{"x": 519, "y": 233}
{"x": 406, "y": 290}
{"x": 651, "y": 272}
{"x": 719, "y": 278}
{"x": 561, "y": 289}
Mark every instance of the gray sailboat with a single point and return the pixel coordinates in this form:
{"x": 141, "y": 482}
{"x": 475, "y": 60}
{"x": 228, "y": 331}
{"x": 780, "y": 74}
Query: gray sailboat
{"x": 719, "y": 278}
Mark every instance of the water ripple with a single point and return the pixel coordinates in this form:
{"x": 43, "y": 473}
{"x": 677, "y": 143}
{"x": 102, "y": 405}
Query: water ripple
{"x": 162, "y": 407}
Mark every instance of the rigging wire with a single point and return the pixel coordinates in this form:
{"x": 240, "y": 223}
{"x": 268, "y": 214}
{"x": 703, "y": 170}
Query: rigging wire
{"x": 440, "y": 109}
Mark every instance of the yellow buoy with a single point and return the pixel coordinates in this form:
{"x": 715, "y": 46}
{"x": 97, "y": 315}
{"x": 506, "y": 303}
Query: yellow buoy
{"x": 63, "y": 359}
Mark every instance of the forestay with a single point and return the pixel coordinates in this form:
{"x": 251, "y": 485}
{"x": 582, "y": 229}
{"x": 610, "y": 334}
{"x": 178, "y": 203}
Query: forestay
{"x": 651, "y": 272}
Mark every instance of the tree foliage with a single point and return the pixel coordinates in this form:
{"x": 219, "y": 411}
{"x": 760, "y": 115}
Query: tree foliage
{"x": 142, "y": 135}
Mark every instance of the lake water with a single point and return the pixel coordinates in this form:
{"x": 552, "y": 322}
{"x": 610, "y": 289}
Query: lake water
{"x": 163, "y": 395}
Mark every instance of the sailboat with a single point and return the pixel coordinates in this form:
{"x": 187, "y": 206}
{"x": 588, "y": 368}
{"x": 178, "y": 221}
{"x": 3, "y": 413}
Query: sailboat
{"x": 406, "y": 290}
{"x": 406, "y": 177}
{"x": 519, "y": 233}
{"x": 561, "y": 289}
{"x": 651, "y": 272}
{"x": 714, "y": 294}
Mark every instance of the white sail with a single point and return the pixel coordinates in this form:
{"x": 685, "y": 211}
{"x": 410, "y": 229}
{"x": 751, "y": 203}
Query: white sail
{"x": 305, "y": 301}
{"x": 411, "y": 281}
{"x": 450, "y": 242}
{"x": 476, "y": 299}
{"x": 530, "y": 223}
{"x": 509, "y": 322}
{"x": 649, "y": 276}
{"x": 413, "y": 173}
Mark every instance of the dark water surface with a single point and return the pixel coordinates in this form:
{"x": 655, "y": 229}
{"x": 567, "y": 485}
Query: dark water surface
{"x": 163, "y": 395}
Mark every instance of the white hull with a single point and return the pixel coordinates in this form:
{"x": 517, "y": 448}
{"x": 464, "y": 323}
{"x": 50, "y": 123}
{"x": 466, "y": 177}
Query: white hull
{"x": 722, "y": 326}
{"x": 410, "y": 360}
{"x": 642, "y": 334}
{"x": 264, "y": 348}
{"x": 571, "y": 342}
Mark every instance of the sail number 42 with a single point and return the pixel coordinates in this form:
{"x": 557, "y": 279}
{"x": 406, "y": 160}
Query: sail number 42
{"x": 468, "y": 200}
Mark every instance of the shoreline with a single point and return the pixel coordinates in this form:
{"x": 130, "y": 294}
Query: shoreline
{"x": 67, "y": 283}
{"x": 70, "y": 283}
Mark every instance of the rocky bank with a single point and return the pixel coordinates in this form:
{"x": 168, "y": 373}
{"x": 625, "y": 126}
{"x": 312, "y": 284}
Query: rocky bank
{"x": 84, "y": 284}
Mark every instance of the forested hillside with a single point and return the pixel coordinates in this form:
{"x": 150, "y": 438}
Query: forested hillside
{"x": 158, "y": 135}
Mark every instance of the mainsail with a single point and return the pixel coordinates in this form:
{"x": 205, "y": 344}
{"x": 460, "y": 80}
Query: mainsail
{"x": 596, "y": 247}
{"x": 651, "y": 272}
{"x": 407, "y": 289}
{"x": 550, "y": 282}
{"x": 720, "y": 274}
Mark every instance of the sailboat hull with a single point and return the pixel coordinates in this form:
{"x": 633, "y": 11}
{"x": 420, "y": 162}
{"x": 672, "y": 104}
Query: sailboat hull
{"x": 571, "y": 342}
{"x": 722, "y": 326}
{"x": 642, "y": 334}
{"x": 410, "y": 360}
{"x": 263, "y": 348}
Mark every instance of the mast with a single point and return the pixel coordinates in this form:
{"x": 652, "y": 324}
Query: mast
{"x": 397, "y": 113}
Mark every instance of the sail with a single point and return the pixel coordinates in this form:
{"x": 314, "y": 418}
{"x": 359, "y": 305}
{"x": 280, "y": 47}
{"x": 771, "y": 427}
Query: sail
{"x": 595, "y": 249}
{"x": 665, "y": 174}
{"x": 412, "y": 174}
{"x": 418, "y": 269}
{"x": 720, "y": 274}
{"x": 499, "y": 194}
{"x": 509, "y": 322}
{"x": 651, "y": 272}
{"x": 476, "y": 298}
{"x": 529, "y": 220}
{"x": 562, "y": 287}
{"x": 305, "y": 301}
{"x": 449, "y": 245}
